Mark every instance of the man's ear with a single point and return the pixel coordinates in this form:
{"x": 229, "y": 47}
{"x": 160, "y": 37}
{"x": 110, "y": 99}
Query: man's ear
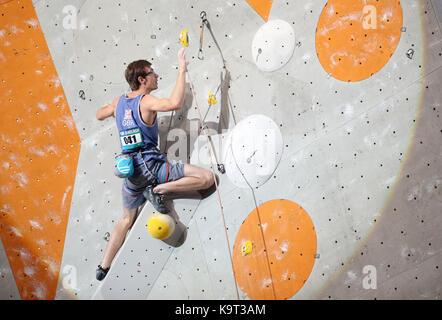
{"x": 141, "y": 80}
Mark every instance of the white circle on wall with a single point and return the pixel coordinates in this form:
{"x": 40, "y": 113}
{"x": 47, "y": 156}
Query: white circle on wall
{"x": 273, "y": 45}
{"x": 253, "y": 151}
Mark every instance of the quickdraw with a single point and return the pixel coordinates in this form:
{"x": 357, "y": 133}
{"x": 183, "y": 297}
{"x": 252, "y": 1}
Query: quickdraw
{"x": 184, "y": 39}
{"x": 205, "y": 22}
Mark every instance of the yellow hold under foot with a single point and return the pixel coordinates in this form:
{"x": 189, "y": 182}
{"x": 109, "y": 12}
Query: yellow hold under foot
{"x": 161, "y": 226}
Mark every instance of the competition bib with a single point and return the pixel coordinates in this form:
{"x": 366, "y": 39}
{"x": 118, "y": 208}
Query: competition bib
{"x": 131, "y": 139}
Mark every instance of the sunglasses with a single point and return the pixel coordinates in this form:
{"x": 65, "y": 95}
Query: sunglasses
{"x": 150, "y": 72}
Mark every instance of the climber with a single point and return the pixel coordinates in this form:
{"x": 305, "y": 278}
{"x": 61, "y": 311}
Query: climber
{"x": 153, "y": 175}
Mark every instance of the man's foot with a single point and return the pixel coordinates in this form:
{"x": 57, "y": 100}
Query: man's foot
{"x": 156, "y": 199}
{"x": 101, "y": 273}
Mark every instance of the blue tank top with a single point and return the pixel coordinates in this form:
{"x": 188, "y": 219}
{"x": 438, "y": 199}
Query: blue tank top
{"x": 135, "y": 135}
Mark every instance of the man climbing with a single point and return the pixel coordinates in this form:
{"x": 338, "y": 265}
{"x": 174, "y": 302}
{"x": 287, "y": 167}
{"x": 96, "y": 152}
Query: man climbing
{"x": 153, "y": 176}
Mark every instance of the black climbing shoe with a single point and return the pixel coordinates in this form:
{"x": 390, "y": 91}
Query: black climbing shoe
{"x": 101, "y": 273}
{"x": 156, "y": 199}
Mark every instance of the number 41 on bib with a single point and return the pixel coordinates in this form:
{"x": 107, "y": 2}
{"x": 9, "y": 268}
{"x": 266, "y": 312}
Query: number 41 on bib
{"x": 131, "y": 139}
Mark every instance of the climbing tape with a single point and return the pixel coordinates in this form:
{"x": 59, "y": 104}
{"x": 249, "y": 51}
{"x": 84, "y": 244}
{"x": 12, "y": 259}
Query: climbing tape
{"x": 259, "y": 219}
{"x": 204, "y": 128}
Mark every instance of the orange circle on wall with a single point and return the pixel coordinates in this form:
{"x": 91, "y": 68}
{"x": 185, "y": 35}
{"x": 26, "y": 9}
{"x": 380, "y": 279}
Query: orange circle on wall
{"x": 283, "y": 251}
{"x": 356, "y": 38}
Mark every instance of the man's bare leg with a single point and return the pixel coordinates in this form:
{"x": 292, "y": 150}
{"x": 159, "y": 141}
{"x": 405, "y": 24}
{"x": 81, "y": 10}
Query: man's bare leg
{"x": 118, "y": 235}
{"x": 195, "y": 178}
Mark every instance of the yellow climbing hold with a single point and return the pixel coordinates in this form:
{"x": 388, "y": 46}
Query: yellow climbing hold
{"x": 161, "y": 226}
{"x": 184, "y": 38}
{"x": 247, "y": 248}
{"x": 211, "y": 98}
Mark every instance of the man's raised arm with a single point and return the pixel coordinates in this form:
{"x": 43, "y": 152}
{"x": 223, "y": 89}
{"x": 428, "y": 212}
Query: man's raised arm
{"x": 175, "y": 102}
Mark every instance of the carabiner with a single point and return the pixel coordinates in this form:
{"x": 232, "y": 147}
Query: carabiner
{"x": 203, "y": 15}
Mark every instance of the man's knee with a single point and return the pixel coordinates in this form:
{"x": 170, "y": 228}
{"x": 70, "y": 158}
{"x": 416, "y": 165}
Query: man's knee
{"x": 127, "y": 221}
{"x": 208, "y": 179}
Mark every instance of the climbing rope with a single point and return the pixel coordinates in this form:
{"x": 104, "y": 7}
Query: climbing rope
{"x": 259, "y": 218}
{"x": 204, "y": 128}
{"x": 205, "y": 23}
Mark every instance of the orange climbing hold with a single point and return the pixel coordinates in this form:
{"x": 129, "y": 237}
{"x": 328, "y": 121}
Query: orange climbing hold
{"x": 356, "y": 38}
{"x": 262, "y": 7}
{"x": 40, "y": 148}
{"x": 283, "y": 253}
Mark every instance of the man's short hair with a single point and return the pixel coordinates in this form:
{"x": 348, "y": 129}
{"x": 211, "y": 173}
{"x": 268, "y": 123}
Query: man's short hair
{"x": 134, "y": 70}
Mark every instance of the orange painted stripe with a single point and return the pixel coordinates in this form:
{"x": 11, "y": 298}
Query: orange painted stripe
{"x": 262, "y": 7}
{"x": 283, "y": 255}
{"x": 40, "y": 146}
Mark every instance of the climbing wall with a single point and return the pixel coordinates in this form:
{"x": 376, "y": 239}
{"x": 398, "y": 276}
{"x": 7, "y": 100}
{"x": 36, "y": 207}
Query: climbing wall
{"x": 337, "y": 198}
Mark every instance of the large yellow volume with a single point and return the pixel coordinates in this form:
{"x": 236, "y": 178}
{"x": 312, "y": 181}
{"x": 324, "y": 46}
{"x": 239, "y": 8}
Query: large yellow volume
{"x": 161, "y": 226}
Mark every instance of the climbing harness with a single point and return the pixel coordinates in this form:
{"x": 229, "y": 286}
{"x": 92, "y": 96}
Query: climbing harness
{"x": 124, "y": 163}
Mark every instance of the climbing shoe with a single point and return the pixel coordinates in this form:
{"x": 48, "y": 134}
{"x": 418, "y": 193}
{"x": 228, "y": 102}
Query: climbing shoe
{"x": 101, "y": 273}
{"x": 156, "y": 199}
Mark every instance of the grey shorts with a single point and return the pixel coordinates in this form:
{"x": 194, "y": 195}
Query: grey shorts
{"x": 159, "y": 172}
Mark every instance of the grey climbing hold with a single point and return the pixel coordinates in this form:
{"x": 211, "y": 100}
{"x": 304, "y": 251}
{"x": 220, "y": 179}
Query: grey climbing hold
{"x": 410, "y": 53}
{"x": 317, "y": 256}
{"x": 82, "y": 95}
{"x": 259, "y": 52}
{"x": 403, "y": 29}
{"x": 106, "y": 236}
